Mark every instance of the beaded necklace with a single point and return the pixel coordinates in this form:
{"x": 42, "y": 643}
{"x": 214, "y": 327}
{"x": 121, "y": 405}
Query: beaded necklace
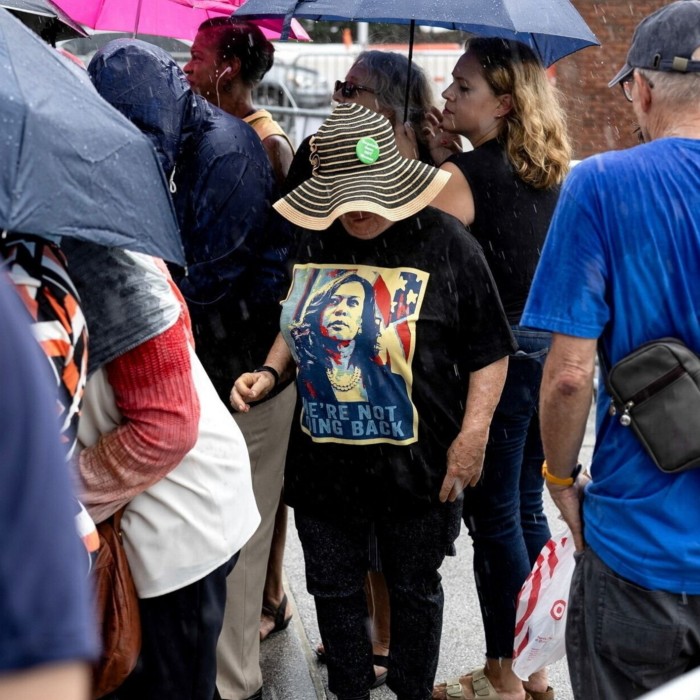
{"x": 347, "y": 386}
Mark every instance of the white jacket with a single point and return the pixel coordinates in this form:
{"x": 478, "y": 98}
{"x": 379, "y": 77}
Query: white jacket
{"x": 198, "y": 516}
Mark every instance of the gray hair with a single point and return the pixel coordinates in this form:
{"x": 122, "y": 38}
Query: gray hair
{"x": 389, "y": 73}
{"x": 674, "y": 90}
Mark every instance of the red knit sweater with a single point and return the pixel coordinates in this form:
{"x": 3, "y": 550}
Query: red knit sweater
{"x": 156, "y": 396}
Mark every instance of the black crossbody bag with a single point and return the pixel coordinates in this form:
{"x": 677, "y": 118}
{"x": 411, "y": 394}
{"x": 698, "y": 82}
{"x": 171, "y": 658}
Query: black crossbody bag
{"x": 655, "y": 390}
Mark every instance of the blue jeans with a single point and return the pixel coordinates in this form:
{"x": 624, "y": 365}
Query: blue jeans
{"x": 336, "y": 555}
{"x": 504, "y": 512}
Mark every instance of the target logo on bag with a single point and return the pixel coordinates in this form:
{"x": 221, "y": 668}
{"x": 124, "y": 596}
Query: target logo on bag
{"x": 558, "y": 609}
{"x": 540, "y": 619}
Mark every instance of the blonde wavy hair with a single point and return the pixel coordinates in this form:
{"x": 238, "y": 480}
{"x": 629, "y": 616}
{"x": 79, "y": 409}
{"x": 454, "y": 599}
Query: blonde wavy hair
{"x": 534, "y": 131}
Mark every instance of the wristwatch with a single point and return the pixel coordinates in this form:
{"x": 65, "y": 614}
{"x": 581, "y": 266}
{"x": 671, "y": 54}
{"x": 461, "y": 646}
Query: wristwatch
{"x": 558, "y": 480}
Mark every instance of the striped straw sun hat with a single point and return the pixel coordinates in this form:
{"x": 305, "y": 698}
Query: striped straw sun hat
{"x": 357, "y": 167}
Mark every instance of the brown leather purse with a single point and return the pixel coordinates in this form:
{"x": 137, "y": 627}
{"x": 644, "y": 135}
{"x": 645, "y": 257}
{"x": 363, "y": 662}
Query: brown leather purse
{"x": 117, "y": 607}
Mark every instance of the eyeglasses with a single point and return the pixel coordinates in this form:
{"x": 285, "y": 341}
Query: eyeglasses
{"x": 349, "y": 90}
{"x": 626, "y": 85}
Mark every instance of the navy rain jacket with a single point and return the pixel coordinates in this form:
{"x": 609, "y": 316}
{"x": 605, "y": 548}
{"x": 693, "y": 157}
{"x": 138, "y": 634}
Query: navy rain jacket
{"x": 236, "y": 245}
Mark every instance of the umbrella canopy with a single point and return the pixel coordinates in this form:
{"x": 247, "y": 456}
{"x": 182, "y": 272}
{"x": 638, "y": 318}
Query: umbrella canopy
{"x": 72, "y": 164}
{"x": 552, "y": 28}
{"x": 44, "y": 18}
{"x": 271, "y": 28}
{"x": 178, "y": 20}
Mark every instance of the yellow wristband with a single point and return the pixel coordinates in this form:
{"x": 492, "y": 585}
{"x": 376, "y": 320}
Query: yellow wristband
{"x": 557, "y": 480}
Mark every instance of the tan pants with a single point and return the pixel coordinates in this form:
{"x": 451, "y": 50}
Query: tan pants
{"x": 266, "y": 431}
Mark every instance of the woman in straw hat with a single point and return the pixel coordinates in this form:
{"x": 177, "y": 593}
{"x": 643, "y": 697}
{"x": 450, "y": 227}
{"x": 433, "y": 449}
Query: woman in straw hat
{"x": 389, "y": 460}
{"x": 377, "y": 80}
{"x": 505, "y": 190}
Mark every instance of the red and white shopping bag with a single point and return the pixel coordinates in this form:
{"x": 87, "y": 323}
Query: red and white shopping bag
{"x": 540, "y": 619}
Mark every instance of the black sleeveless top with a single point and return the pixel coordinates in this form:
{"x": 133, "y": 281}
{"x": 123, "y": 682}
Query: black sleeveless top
{"x": 511, "y": 220}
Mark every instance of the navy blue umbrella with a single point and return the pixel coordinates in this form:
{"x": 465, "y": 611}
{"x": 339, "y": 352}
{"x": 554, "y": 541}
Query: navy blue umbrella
{"x": 72, "y": 165}
{"x": 552, "y": 28}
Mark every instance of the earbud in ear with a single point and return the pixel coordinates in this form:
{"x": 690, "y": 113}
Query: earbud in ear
{"x": 226, "y": 70}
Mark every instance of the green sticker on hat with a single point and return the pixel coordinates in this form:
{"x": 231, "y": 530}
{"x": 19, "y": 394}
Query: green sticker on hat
{"x": 367, "y": 150}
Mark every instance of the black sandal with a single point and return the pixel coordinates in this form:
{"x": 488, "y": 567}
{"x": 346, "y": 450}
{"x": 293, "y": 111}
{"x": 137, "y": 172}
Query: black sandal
{"x": 382, "y": 661}
{"x": 278, "y": 616}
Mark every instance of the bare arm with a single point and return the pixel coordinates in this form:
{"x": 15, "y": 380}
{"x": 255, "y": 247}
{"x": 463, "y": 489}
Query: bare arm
{"x": 280, "y": 154}
{"x": 60, "y": 681}
{"x": 456, "y": 196}
{"x": 565, "y": 401}
{"x": 465, "y": 458}
{"x": 253, "y": 386}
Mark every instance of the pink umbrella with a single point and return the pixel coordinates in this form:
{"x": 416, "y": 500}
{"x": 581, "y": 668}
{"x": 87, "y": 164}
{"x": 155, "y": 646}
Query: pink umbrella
{"x": 177, "y": 19}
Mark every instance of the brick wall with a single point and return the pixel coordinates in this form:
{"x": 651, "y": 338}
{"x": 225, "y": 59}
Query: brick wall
{"x": 600, "y": 119}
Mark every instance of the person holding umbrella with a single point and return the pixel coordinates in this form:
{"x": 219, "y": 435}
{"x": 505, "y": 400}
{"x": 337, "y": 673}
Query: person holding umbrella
{"x": 377, "y": 80}
{"x": 236, "y": 246}
{"x": 228, "y": 59}
{"x": 505, "y": 190}
{"x": 362, "y": 465}
{"x": 156, "y": 440}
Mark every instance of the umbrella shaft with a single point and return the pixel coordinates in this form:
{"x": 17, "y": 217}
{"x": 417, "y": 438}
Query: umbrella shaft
{"x": 411, "y": 36}
{"x": 138, "y": 19}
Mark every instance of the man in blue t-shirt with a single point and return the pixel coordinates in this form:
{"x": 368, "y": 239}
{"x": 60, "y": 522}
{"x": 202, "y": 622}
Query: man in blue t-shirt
{"x": 622, "y": 264}
{"x": 47, "y": 630}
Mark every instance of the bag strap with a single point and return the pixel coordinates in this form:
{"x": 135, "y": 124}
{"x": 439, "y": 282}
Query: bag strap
{"x": 117, "y": 520}
{"x": 604, "y": 364}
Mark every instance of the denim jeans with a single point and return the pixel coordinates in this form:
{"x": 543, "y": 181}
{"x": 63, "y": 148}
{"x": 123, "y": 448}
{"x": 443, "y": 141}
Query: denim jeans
{"x": 412, "y": 550}
{"x": 623, "y": 640}
{"x": 504, "y": 512}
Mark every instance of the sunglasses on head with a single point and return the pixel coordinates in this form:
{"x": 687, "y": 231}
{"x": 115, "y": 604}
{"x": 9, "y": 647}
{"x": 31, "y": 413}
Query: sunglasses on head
{"x": 349, "y": 90}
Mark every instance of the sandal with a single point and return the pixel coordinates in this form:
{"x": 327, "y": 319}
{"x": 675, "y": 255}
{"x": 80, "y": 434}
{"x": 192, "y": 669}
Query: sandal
{"x": 482, "y": 688}
{"x": 381, "y": 660}
{"x": 278, "y": 616}
{"x": 544, "y": 695}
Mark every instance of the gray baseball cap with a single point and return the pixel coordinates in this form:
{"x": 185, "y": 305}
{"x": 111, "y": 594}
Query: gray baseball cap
{"x": 665, "y": 41}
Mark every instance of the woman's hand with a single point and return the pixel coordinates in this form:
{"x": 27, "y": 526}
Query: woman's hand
{"x": 250, "y": 386}
{"x": 253, "y": 386}
{"x": 406, "y": 140}
{"x": 465, "y": 458}
{"x": 442, "y": 144}
{"x": 465, "y": 461}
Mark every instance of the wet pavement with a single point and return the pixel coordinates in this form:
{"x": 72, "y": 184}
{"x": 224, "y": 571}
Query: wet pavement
{"x": 290, "y": 668}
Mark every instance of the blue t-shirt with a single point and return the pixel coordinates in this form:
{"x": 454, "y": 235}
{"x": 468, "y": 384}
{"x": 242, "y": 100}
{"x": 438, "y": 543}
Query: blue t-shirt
{"x": 45, "y": 601}
{"x": 622, "y": 261}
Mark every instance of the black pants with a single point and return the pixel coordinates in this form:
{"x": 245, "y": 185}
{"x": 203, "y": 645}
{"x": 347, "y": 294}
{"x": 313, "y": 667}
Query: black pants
{"x": 180, "y": 631}
{"x": 411, "y": 551}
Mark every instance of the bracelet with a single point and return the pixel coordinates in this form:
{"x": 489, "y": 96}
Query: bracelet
{"x": 266, "y": 368}
{"x": 558, "y": 480}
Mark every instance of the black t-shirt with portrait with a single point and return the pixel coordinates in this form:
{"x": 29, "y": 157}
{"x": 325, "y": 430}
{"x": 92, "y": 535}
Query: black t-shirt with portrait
{"x": 440, "y": 317}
